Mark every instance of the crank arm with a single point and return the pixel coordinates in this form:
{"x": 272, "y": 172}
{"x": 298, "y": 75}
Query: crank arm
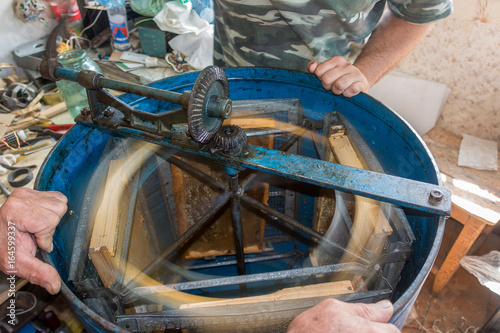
{"x": 426, "y": 197}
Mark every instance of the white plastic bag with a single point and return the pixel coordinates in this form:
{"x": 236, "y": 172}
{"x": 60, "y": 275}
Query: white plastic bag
{"x": 199, "y": 47}
{"x": 180, "y": 19}
{"x": 485, "y": 268}
{"x": 195, "y": 35}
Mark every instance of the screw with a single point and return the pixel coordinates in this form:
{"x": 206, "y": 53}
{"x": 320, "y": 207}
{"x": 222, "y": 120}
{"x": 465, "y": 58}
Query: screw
{"x": 85, "y": 111}
{"x": 108, "y": 113}
{"x": 435, "y": 197}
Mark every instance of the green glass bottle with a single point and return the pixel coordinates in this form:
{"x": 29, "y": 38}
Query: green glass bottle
{"x": 74, "y": 95}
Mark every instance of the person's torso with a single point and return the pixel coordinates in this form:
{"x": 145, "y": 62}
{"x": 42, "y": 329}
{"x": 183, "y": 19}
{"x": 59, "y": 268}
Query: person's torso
{"x": 290, "y": 33}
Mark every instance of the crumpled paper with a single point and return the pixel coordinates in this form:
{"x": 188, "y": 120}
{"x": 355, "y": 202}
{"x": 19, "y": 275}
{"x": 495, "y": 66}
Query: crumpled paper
{"x": 478, "y": 153}
{"x": 195, "y": 35}
{"x": 9, "y": 160}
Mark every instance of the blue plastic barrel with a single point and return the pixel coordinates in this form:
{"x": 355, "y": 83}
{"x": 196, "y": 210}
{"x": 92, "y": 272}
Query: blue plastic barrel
{"x": 397, "y": 146}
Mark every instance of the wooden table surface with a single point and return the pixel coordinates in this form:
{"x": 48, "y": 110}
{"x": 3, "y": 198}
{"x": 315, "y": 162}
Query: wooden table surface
{"x": 475, "y": 199}
{"x": 477, "y": 191}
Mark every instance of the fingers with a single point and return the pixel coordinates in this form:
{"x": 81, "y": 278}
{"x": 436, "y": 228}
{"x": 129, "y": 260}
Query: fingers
{"x": 339, "y": 76}
{"x": 312, "y": 65}
{"x": 380, "y": 312}
{"x": 27, "y": 213}
{"x": 35, "y": 213}
{"x": 38, "y": 272}
{"x": 51, "y": 200}
{"x": 335, "y": 316}
{"x": 376, "y": 316}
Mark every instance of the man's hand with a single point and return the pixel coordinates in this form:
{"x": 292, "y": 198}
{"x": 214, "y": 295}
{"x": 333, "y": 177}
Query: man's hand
{"x": 29, "y": 218}
{"x": 332, "y": 316}
{"x": 339, "y": 76}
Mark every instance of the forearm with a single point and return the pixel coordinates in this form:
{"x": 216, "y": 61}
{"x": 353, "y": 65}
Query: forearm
{"x": 391, "y": 40}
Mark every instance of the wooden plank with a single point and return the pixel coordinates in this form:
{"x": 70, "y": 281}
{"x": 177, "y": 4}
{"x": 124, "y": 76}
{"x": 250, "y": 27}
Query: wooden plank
{"x": 370, "y": 226}
{"x": 246, "y": 123}
{"x": 4, "y": 295}
{"x": 53, "y": 110}
{"x": 470, "y": 232}
{"x": 32, "y": 106}
{"x": 112, "y": 215}
{"x": 468, "y": 199}
{"x": 106, "y": 224}
{"x": 477, "y": 191}
{"x": 266, "y": 122}
{"x": 309, "y": 291}
{"x": 103, "y": 263}
{"x": 180, "y": 199}
{"x": 106, "y": 269}
{"x": 45, "y": 114}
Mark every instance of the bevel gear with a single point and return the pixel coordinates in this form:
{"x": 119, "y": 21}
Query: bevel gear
{"x": 208, "y": 104}
{"x": 230, "y": 140}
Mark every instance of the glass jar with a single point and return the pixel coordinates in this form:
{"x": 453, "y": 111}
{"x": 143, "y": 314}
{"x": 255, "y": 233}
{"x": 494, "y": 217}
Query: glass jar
{"x": 74, "y": 95}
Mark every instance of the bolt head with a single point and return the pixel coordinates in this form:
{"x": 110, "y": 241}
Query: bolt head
{"x": 108, "y": 112}
{"x": 85, "y": 111}
{"x": 435, "y": 196}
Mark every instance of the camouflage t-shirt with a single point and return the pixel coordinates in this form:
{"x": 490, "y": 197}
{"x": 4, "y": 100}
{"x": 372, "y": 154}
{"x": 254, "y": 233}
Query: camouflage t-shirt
{"x": 290, "y": 33}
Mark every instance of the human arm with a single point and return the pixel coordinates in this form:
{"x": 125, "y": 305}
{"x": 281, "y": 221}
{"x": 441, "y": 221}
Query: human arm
{"x": 391, "y": 40}
{"x": 28, "y": 219}
{"x": 334, "y": 316}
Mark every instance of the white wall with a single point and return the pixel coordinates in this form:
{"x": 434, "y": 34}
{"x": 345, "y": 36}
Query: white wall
{"x": 464, "y": 53}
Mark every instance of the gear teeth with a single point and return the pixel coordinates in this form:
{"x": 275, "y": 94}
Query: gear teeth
{"x": 202, "y": 90}
{"x": 230, "y": 140}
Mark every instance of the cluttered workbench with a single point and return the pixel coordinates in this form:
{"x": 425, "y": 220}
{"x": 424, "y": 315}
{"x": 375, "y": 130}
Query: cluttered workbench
{"x": 41, "y": 138}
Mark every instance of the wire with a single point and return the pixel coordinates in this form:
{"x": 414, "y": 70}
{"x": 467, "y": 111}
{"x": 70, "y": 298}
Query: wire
{"x": 92, "y": 24}
{"x": 73, "y": 42}
{"x": 142, "y": 21}
{"x": 20, "y": 312}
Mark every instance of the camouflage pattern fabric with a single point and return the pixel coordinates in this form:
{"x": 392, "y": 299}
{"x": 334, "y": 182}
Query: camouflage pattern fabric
{"x": 290, "y": 33}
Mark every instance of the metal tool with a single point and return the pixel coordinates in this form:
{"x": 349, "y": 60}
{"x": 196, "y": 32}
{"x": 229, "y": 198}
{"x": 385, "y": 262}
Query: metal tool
{"x": 293, "y": 168}
{"x": 196, "y": 130}
{"x": 55, "y": 131}
{"x": 4, "y": 189}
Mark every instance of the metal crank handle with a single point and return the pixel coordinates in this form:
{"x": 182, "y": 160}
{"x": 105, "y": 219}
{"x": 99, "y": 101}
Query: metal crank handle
{"x": 51, "y": 69}
{"x": 94, "y": 80}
